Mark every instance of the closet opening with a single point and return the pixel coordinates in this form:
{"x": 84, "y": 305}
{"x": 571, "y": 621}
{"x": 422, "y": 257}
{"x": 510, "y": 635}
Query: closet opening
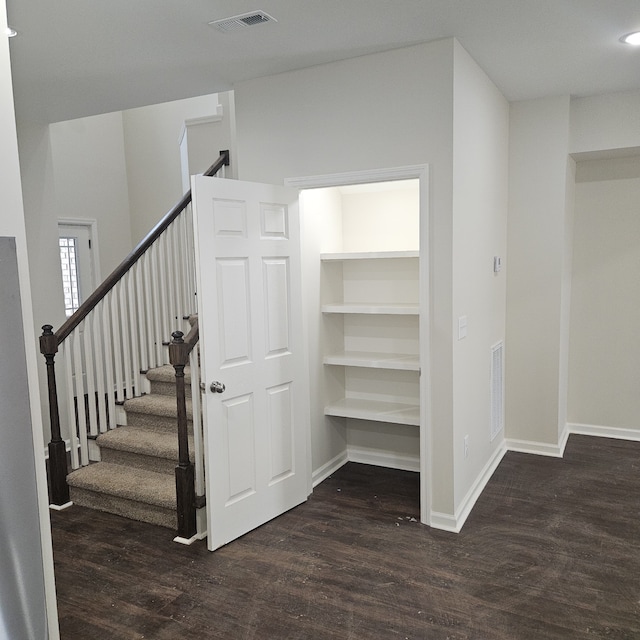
{"x": 365, "y": 296}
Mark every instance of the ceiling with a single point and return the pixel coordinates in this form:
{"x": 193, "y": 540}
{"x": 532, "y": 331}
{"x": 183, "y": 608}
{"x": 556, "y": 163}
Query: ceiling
{"x": 74, "y": 58}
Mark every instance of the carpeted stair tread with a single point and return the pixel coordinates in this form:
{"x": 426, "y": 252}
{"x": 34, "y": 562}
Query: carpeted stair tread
{"x": 142, "y": 441}
{"x": 126, "y": 508}
{"x": 126, "y": 482}
{"x": 156, "y": 405}
{"x": 167, "y": 374}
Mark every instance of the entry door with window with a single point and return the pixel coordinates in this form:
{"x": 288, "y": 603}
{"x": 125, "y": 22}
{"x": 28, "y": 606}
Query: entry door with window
{"x": 76, "y": 262}
{"x": 252, "y": 353}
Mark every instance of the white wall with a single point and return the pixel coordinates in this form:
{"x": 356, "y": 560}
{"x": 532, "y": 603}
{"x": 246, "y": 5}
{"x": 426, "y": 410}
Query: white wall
{"x": 90, "y": 178}
{"x": 320, "y": 232}
{"x": 480, "y": 197}
{"x": 605, "y": 122}
{"x": 330, "y": 119}
{"x": 605, "y": 308}
{"x": 152, "y": 137}
{"x": 537, "y": 281}
{"x": 12, "y": 224}
{"x": 40, "y": 217}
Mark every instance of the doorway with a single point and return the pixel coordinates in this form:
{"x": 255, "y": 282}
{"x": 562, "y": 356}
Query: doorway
{"x": 367, "y": 330}
{"x": 77, "y": 241}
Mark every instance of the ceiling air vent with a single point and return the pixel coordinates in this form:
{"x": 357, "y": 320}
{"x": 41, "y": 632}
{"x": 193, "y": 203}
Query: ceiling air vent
{"x": 244, "y": 20}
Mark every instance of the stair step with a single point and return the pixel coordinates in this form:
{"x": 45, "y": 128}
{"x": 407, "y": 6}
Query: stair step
{"x": 142, "y": 448}
{"x": 129, "y": 492}
{"x": 155, "y": 411}
{"x": 163, "y": 380}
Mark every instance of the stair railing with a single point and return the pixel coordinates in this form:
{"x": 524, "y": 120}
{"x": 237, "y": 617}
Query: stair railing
{"x": 117, "y": 334}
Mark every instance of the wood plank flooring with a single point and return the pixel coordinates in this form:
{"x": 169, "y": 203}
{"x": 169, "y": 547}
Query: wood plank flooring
{"x": 551, "y": 551}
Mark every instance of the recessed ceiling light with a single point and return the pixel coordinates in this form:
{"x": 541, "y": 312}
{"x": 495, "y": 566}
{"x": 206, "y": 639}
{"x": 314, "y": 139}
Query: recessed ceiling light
{"x": 631, "y": 38}
{"x": 10, "y": 33}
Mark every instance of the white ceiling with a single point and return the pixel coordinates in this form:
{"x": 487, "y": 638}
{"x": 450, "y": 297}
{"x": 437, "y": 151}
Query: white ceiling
{"x": 82, "y": 57}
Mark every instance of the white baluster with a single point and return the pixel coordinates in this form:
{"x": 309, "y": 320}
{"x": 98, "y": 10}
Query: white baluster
{"x": 163, "y": 307}
{"x": 79, "y": 394}
{"x": 134, "y": 327}
{"x": 99, "y": 349}
{"x": 198, "y": 444}
{"x": 70, "y": 418}
{"x": 142, "y": 314}
{"x": 126, "y": 337}
{"x": 172, "y": 305}
{"x": 109, "y": 360}
{"x": 89, "y": 376}
{"x": 116, "y": 344}
{"x": 157, "y": 322}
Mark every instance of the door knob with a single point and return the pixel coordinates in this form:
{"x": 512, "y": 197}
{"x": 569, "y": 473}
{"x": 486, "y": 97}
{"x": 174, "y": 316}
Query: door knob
{"x": 217, "y": 387}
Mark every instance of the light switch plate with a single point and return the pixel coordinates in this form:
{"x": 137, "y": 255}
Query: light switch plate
{"x": 462, "y": 327}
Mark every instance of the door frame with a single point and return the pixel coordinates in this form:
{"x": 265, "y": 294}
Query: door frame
{"x": 421, "y": 173}
{"x": 91, "y": 225}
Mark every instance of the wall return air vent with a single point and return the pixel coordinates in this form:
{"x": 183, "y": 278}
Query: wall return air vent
{"x": 235, "y": 23}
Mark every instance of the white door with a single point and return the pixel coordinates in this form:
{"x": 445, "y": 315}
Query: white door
{"x": 249, "y": 307}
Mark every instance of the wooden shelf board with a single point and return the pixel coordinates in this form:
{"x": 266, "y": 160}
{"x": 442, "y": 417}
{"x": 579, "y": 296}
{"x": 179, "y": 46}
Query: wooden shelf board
{"x": 368, "y": 255}
{"x": 374, "y": 360}
{"x": 375, "y": 410}
{"x": 372, "y": 309}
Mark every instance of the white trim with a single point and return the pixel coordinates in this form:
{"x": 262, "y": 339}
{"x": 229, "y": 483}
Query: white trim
{"x": 60, "y": 507}
{"x": 358, "y": 177}
{"x": 387, "y": 459}
{"x": 322, "y": 473}
{"x": 92, "y": 225}
{"x": 619, "y": 433}
{"x": 217, "y": 117}
{"x": 189, "y": 541}
{"x": 443, "y": 522}
{"x": 454, "y": 523}
{"x": 409, "y": 172}
{"x": 539, "y": 448}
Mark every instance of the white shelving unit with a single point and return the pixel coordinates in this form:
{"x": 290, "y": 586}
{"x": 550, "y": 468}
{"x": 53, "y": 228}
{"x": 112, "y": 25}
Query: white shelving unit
{"x": 371, "y": 312}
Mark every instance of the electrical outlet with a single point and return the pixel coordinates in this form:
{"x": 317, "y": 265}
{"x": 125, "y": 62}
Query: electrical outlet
{"x": 466, "y": 447}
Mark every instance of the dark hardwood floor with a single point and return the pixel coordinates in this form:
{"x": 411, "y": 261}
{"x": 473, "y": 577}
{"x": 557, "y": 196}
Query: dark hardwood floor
{"x": 551, "y": 550}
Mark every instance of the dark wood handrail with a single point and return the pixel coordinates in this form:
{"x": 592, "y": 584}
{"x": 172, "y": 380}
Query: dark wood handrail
{"x": 116, "y": 275}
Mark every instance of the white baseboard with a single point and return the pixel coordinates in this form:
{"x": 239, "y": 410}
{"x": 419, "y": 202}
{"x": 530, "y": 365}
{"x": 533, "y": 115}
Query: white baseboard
{"x": 328, "y": 468}
{"x": 618, "y": 433}
{"x": 383, "y": 459}
{"x": 365, "y": 456}
{"x": 189, "y": 541}
{"x": 444, "y": 522}
{"x": 60, "y": 507}
{"x": 539, "y": 448}
{"x": 454, "y": 523}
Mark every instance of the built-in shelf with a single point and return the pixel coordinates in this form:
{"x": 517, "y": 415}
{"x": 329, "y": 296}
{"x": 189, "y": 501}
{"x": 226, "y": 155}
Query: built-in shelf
{"x": 392, "y": 309}
{"x": 368, "y": 255}
{"x": 369, "y": 360}
{"x": 394, "y": 412}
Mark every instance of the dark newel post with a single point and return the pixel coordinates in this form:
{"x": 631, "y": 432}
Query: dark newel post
{"x": 57, "y": 452}
{"x": 185, "y": 475}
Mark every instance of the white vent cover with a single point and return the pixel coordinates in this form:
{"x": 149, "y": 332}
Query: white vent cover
{"x": 497, "y": 389}
{"x": 244, "y": 20}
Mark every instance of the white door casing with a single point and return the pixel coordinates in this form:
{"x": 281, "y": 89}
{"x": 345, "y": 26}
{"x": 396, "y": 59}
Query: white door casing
{"x": 84, "y": 232}
{"x": 249, "y": 291}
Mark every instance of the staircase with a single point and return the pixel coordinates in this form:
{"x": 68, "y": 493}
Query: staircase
{"x": 146, "y": 471}
{"x": 135, "y": 477}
